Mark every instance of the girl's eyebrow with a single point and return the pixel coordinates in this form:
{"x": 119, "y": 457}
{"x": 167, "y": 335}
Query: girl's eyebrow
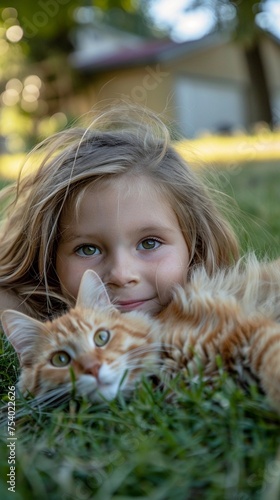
{"x": 68, "y": 235}
{"x": 155, "y": 229}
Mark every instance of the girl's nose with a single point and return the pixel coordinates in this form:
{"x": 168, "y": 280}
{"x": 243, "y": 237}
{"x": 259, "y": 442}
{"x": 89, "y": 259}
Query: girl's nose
{"x": 121, "y": 271}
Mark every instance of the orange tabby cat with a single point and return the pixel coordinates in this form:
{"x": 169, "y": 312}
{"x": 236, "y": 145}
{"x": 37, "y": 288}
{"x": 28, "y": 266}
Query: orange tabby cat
{"x": 98, "y": 351}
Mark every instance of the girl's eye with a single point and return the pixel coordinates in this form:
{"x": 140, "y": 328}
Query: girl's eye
{"x": 101, "y": 337}
{"x": 60, "y": 359}
{"x": 149, "y": 244}
{"x": 87, "y": 250}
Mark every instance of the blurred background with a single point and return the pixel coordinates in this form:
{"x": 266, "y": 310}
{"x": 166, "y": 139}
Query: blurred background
{"x": 212, "y": 67}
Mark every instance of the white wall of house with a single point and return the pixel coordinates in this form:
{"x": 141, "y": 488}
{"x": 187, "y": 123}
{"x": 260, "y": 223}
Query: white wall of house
{"x": 208, "y": 104}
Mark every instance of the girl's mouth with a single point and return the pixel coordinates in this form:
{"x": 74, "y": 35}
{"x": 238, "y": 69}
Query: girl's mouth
{"x": 130, "y": 305}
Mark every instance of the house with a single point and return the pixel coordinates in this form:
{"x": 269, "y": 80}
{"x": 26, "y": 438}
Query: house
{"x": 201, "y": 85}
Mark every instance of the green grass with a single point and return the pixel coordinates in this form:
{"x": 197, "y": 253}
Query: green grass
{"x": 207, "y": 442}
{"x": 254, "y": 205}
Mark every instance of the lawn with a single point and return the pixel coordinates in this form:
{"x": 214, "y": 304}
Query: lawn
{"x": 206, "y": 442}
{"x": 252, "y": 205}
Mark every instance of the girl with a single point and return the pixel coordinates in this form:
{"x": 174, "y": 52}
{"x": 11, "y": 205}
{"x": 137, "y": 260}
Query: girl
{"x": 114, "y": 197}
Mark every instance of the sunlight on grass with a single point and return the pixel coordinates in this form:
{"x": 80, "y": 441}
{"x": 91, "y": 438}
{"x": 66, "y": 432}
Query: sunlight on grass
{"x": 223, "y": 150}
{"x": 232, "y": 149}
{"x": 11, "y": 165}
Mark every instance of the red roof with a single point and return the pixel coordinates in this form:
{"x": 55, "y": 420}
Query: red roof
{"x": 147, "y": 51}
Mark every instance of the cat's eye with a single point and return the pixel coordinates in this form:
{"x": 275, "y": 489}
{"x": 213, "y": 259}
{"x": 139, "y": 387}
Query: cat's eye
{"x": 101, "y": 337}
{"x": 60, "y": 359}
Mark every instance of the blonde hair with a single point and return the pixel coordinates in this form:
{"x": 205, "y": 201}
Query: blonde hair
{"x": 119, "y": 140}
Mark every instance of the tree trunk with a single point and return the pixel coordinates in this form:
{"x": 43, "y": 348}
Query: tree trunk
{"x": 260, "y": 98}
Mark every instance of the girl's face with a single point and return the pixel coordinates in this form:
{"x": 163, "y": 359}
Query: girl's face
{"x": 129, "y": 235}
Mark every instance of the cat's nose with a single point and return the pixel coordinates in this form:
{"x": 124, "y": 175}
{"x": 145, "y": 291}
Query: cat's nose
{"x": 93, "y": 370}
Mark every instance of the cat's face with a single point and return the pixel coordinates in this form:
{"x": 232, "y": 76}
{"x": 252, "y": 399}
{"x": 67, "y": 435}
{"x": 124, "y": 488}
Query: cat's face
{"x": 93, "y": 350}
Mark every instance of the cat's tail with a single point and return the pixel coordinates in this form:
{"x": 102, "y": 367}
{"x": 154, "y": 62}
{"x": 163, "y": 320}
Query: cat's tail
{"x": 265, "y": 360}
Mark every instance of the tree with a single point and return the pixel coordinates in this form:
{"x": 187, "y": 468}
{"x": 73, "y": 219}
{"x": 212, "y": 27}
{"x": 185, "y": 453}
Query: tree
{"x": 248, "y": 34}
{"x": 36, "y": 38}
{"x": 48, "y": 25}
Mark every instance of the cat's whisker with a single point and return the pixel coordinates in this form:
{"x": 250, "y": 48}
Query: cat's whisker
{"x": 54, "y": 396}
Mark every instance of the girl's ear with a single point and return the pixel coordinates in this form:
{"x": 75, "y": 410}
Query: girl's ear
{"x": 92, "y": 292}
{"x": 21, "y": 330}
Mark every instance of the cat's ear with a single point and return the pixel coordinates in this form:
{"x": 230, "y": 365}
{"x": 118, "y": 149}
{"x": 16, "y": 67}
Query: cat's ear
{"x": 21, "y": 330}
{"x": 92, "y": 292}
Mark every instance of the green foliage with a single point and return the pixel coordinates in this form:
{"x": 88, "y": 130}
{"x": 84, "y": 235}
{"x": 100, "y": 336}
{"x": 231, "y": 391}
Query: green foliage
{"x": 196, "y": 440}
{"x": 48, "y": 25}
{"x": 44, "y": 21}
{"x": 45, "y": 32}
